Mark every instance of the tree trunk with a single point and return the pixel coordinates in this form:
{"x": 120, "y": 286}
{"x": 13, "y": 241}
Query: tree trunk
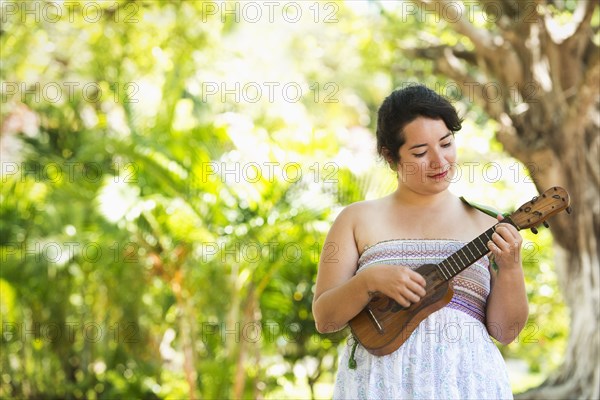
{"x": 577, "y": 262}
{"x": 553, "y": 128}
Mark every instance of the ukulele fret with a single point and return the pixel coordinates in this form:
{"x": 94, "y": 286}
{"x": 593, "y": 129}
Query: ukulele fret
{"x": 447, "y": 275}
{"x": 488, "y": 238}
{"x": 469, "y": 248}
{"x": 482, "y": 247}
{"x": 447, "y": 266}
{"x": 461, "y": 259}
{"x": 454, "y": 272}
{"x": 482, "y": 242}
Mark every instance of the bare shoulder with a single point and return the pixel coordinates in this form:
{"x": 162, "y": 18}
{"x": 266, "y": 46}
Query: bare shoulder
{"x": 339, "y": 256}
{"x": 353, "y": 216}
{"x": 363, "y": 211}
{"x": 358, "y": 209}
{"x": 343, "y": 233}
{"x": 370, "y": 223}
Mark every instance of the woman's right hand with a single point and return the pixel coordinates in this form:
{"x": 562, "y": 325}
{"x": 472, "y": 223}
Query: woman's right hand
{"x": 397, "y": 282}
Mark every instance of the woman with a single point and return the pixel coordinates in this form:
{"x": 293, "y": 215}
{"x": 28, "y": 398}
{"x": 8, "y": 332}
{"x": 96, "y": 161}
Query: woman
{"x": 374, "y": 245}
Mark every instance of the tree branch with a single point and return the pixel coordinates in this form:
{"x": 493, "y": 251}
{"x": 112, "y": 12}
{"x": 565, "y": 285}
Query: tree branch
{"x": 482, "y": 39}
{"x": 437, "y": 51}
{"x": 444, "y": 61}
{"x": 493, "y": 48}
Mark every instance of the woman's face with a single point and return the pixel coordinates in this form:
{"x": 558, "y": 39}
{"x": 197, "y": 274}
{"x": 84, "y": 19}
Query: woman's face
{"x": 428, "y": 156}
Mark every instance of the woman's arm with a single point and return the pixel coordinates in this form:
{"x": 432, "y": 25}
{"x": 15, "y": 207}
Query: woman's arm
{"x": 507, "y": 306}
{"x": 340, "y": 294}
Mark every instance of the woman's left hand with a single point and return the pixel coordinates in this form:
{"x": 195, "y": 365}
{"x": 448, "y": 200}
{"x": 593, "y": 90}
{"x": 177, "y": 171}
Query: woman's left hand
{"x": 506, "y": 246}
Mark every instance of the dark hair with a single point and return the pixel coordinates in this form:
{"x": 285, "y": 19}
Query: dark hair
{"x": 404, "y": 106}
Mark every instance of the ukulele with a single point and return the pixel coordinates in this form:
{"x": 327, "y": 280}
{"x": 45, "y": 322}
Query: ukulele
{"x": 384, "y": 325}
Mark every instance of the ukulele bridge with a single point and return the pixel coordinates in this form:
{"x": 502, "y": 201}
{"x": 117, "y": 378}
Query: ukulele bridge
{"x": 378, "y": 326}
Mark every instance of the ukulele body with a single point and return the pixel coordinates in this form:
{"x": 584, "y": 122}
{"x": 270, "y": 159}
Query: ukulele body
{"x": 384, "y": 325}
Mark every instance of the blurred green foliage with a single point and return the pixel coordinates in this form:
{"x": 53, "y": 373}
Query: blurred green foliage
{"x": 160, "y": 240}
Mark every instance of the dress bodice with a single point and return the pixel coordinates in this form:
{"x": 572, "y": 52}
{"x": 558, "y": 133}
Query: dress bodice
{"x": 471, "y": 286}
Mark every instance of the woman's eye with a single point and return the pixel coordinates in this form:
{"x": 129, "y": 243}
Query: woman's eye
{"x": 420, "y": 154}
{"x": 447, "y": 144}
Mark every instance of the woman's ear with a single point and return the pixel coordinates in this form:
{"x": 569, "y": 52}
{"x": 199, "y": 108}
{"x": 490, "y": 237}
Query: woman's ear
{"x": 387, "y": 155}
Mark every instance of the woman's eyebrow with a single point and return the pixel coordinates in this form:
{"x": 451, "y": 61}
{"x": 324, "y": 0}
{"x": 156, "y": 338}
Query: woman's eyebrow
{"x": 425, "y": 144}
{"x": 446, "y": 135}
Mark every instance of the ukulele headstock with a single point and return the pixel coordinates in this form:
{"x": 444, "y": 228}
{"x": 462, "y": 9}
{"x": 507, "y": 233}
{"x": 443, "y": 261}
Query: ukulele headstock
{"x": 540, "y": 208}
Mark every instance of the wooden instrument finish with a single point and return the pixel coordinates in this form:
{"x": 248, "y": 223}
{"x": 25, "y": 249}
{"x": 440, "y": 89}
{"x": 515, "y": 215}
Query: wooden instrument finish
{"x": 384, "y": 325}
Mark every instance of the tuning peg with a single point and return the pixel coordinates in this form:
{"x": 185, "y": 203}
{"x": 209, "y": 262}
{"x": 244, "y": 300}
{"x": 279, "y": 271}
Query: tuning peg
{"x": 534, "y": 230}
{"x": 546, "y": 224}
{"x": 569, "y": 210}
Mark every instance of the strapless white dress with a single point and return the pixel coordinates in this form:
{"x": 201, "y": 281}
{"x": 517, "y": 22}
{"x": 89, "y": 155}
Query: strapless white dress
{"x": 449, "y": 356}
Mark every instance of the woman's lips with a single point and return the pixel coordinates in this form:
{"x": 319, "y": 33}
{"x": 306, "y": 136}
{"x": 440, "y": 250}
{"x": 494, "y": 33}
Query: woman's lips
{"x": 439, "y": 176}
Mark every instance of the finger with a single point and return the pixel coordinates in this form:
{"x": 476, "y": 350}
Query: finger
{"x": 411, "y": 296}
{"x": 410, "y": 291}
{"x": 402, "y": 301}
{"x": 513, "y": 233}
{"x": 416, "y": 288}
{"x": 510, "y": 236}
{"x": 417, "y": 277}
{"x": 505, "y": 231}
{"x": 407, "y": 297}
{"x": 493, "y": 247}
{"x": 500, "y": 243}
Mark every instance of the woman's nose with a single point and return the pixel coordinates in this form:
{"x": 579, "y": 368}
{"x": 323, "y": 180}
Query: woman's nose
{"x": 436, "y": 160}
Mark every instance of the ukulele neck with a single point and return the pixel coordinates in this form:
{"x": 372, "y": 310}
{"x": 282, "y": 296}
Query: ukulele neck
{"x": 468, "y": 254}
